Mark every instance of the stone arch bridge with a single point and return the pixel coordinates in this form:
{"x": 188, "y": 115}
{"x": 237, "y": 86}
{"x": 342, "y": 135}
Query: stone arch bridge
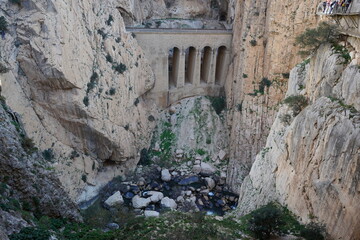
{"x": 186, "y": 62}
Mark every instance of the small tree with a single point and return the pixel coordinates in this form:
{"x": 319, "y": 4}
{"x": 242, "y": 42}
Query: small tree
{"x": 297, "y": 103}
{"x": 266, "y": 221}
{"x": 312, "y": 38}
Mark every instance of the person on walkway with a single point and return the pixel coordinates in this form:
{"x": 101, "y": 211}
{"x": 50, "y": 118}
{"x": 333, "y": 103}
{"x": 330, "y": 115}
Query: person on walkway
{"x": 324, "y": 7}
{"x": 328, "y": 6}
{"x": 333, "y": 6}
{"x": 347, "y": 5}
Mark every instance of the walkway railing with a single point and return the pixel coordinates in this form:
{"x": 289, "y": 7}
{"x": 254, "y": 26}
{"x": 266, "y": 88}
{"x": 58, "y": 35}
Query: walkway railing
{"x": 336, "y": 9}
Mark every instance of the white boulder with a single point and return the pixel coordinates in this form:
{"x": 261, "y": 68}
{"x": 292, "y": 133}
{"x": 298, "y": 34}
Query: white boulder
{"x": 207, "y": 169}
{"x": 139, "y": 202}
{"x": 155, "y": 196}
{"x": 168, "y": 203}
{"x": 165, "y": 175}
{"x": 115, "y": 199}
{"x": 149, "y": 213}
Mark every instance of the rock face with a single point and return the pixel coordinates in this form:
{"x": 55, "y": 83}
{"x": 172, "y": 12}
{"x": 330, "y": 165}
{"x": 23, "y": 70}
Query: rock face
{"x": 264, "y": 33}
{"x": 79, "y": 78}
{"x": 29, "y": 176}
{"x": 311, "y": 162}
{"x": 136, "y": 11}
{"x": 191, "y": 128}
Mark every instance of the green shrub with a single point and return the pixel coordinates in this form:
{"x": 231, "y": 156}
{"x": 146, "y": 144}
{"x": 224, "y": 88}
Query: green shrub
{"x": 86, "y": 101}
{"x": 120, "y": 68}
{"x": 31, "y": 233}
{"x": 200, "y": 151}
{"x": 313, "y": 38}
{"x": 245, "y": 75}
{"x": 297, "y": 103}
{"x": 48, "y": 154}
{"x": 94, "y": 79}
{"x": 15, "y": 1}
{"x": 253, "y": 42}
{"x": 265, "y": 221}
{"x": 265, "y": 82}
{"x": 286, "y": 75}
{"x": 3, "y": 24}
{"x": 3, "y": 69}
{"x": 110, "y": 20}
{"x": 109, "y": 58}
{"x": 112, "y": 91}
{"x": 342, "y": 51}
{"x": 312, "y": 231}
{"x": 218, "y": 103}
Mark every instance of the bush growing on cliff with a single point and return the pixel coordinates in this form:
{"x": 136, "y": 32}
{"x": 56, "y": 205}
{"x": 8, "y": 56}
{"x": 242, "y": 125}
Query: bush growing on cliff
{"x": 297, "y": 103}
{"x": 312, "y": 38}
{"x": 218, "y": 103}
{"x": 3, "y": 24}
{"x": 266, "y": 221}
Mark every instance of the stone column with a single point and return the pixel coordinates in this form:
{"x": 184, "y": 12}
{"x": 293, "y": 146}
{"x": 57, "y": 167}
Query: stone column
{"x": 181, "y": 71}
{"x": 164, "y": 64}
{"x": 212, "y": 67}
{"x": 197, "y": 68}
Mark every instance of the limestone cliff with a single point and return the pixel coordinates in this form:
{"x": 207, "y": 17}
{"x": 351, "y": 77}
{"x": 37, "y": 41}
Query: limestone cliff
{"x": 137, "y": 11}
{"x": 263, "y": 54}
{"x": 76, "y": 78}
{"x": 311, "y": 161}
{"x": 26, "y": 177}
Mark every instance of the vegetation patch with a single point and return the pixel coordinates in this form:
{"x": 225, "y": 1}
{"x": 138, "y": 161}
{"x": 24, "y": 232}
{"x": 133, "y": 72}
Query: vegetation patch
{"x": 275, "y": 220}
{"x": 297, "y": 103}
{"x": 120, "y": 68}
{"x": 351, "y": 108}
{"x": 48, "y": 154}
{"x": 218, "y": 103}
{"x": 263, "y": 84}
{"x": 3, "y": 24}
{"x": 313, "y": 38}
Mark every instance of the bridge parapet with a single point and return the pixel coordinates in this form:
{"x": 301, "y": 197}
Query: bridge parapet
{"x": 186, "y": 62}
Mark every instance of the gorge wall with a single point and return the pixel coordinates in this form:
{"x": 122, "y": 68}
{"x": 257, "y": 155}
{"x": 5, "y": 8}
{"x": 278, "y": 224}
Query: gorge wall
{"x": 311, "y": 161}
{"x": 77, "y": 78}
{"x": 263, "y": 47}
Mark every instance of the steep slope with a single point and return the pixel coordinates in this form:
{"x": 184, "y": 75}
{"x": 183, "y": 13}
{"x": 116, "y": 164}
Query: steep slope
{"x": 78, "y": 78}
{"x": 26, "y": 177}
{"x": 263, "y": 54}
{"x": 311, "y": 161}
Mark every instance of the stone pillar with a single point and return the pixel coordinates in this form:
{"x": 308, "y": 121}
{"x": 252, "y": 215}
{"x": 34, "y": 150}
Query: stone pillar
{"x": 164, "y": 64}
{"x": 197, "y": 69}
{"x": 181, "y": 71}
{"x": 212, "y": 67}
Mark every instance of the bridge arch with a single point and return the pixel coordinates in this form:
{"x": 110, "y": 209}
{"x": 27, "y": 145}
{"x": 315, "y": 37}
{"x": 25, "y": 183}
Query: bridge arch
{"x": 206, "y": 57}
{"x": 173, "y": 66}
{"x": 190, "y": 60}
{"x": 220, "y": 64}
